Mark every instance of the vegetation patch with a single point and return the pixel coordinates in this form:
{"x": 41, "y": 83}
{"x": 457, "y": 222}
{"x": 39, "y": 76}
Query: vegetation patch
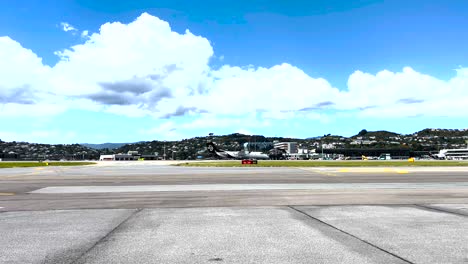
{"x": 6, "y": 164}
{"x": 341, "y": 163}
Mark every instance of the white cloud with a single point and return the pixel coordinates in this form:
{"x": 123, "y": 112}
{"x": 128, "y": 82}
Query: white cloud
{"x": 405, "y": 93}
{"x": 38, "y": 135}
{"x": 279, "y": 88}
{"x": 67, "y": 27}
{"x": 166, "y": 131}
{"x": 23, "y": 82}
{"x": 244, "y": 131}
{"x": 217, "y": 121}
{"x": 19, "y": 66}
{"x": 145, "y": 52}
{"x": 36, "y": 110}
{"x": 145, "y": 68}
{"x": 205, "y": 124}
{"x": 85, "y": 34}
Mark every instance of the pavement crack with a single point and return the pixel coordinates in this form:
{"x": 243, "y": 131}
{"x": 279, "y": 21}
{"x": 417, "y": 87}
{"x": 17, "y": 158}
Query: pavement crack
{"x": 349, "y": 234}
{"x": 439, "y": 210}
{"x": 106, "y": 236}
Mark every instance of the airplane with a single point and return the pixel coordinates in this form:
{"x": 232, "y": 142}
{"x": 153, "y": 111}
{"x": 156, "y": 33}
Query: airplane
{"x": 452, "y": 154}
{"x": 212, "y": 148}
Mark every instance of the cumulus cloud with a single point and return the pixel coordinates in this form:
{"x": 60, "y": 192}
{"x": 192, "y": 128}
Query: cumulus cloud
{"x": 410, "y": 101}
{"x": 19, "y": 95}
{"x": 67, "y": 27}
{"x": 181, "y": 111}
{"x": 134, "y": 86}
{"x": 167, "y": 130}
{"x": 84, "y": 33}
{"x": 318, "y": 106}
{"x": 144, "y": 68}
{"x": 138, "y": 91}
{"x": 236, "y": 90}
{"x": 110, "y": 98}
{"x": 403, "y": 94}
{"x": 20, "y": 66}
{"x": 24, "y": 82}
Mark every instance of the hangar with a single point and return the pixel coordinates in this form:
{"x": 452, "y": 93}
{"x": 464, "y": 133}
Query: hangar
{"x": 118, "y": 157}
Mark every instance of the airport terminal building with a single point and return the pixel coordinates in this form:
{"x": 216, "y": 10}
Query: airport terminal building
{"x": 117, "y": 157}
{"x": 289, "y": 147}
{"x": 128, "y": 156}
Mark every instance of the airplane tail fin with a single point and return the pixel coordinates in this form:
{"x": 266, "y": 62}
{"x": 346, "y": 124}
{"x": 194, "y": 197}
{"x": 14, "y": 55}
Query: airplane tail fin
{"x": 212, "y": 148}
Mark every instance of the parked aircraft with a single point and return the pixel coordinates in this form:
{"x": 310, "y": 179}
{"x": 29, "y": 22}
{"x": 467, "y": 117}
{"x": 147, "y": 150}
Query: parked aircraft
{"x": 452, "y": 154}
{"x": 243, "y": 154}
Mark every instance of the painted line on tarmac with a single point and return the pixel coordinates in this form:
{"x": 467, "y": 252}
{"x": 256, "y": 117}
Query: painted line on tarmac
{"x": 6, "y": 194}
{"x": 350, "y": 234}
{"x": 331, "y": 172}
{"x": 249, "y": 187}
{"x": 373, "y": 170}
{"x": 324, "y": 172}
{"x": 402, "y": 172}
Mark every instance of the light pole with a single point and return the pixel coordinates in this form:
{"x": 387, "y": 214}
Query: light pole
{"x": 164, "y": 150}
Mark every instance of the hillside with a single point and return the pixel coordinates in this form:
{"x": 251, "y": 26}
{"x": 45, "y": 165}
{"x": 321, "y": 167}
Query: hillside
{"x": 194, "y": 147}
{"x": 424, "y": 140}
{"x": 104, "y": 145}
{"x": 32, "y": 151}
{"x": 381, "y": 134}
{"x": 433, "y": 132}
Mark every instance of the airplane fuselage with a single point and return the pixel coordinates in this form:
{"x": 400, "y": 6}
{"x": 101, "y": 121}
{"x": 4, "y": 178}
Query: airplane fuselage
{"x": 241, "y": 155}
{"x": 235, "y": 154}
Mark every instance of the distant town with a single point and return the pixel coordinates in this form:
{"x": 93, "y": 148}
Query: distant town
{"x": 422, "y": 144}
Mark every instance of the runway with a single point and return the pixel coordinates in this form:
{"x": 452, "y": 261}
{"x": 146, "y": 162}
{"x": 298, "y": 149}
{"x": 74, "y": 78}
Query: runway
{"x": 150, "y": 212}
{"x": 152, "y": 184}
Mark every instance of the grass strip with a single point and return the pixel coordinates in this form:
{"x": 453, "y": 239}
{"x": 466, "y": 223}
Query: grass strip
{"x": 7, "y": 164}
{"x": 311, "y": 163}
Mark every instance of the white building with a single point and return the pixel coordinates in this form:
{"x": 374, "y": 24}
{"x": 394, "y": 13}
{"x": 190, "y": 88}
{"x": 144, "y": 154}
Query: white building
{"x": 117, "y": 157}
{"x": 106, "y": 157}
{"x": 289, "y": 147}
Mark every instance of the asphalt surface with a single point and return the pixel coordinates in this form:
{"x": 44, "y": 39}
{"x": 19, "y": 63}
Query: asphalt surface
{"x": 149, "y": 212}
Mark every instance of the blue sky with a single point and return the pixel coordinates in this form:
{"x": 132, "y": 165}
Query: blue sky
{"x": 298, "y": 69}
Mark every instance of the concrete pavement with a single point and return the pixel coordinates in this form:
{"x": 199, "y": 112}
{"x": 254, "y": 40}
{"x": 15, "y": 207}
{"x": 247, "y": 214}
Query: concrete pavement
{"x": 309, "y": 234}
{"x": 140, "y": 184}
{"x": 154, "y": 213}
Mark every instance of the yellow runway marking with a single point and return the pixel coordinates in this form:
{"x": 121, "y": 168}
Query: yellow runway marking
{"x": 6, "y": 194}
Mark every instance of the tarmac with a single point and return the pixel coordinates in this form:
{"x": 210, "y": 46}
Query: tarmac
{"x": 150, "y": 212}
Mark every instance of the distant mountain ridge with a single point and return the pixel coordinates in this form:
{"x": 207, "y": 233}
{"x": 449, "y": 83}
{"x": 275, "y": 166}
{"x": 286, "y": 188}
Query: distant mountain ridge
{"x": 104, "y": 145}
